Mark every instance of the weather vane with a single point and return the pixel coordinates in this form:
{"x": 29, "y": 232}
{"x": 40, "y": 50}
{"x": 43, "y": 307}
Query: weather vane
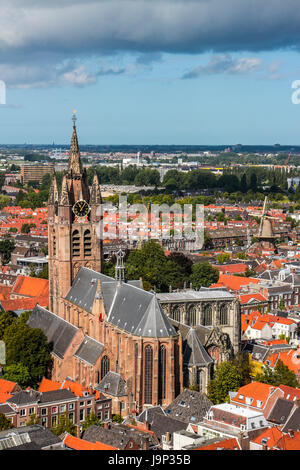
{"x": 74, "y": 118}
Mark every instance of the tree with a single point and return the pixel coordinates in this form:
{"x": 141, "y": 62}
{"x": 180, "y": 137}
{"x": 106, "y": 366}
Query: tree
{"x": 4, "y": 201}
{"x": 7, "y": 246}
{"x": 6, "y": 320}
{"x": 5, "y": 423}
{"x": 203, "y": 274}
{"x": 29, "y": 347}
{"x": 17, "y": 373}
{"x": 117, "y": 418}
{"x": 64, "y": 425}
{"x": 34, "y": 419}
{"x": 280, "y": 375}
{"x": 222, "y": 258}
{"x": 227, "y": 378}
{"x": 244, "y": 186}
{"x": 90, "y": 419}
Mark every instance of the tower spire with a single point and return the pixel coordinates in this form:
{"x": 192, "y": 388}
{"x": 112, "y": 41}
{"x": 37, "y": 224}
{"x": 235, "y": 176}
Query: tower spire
{"x": 120, "y": 267}
{"x": 75, "y": 165}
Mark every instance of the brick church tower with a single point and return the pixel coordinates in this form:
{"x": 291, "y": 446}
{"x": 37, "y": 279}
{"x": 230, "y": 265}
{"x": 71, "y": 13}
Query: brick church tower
{"x": 72, "y": 227}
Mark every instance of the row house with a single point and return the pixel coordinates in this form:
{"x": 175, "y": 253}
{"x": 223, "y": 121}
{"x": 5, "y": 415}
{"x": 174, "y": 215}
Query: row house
{"x": 51, "y": 405}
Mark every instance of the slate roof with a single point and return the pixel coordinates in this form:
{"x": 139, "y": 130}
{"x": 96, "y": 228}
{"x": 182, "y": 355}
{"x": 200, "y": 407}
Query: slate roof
{"x": 189, "y": 407}
{"x": 25, "y": 397}
{"x": 117, "y": 436}
{"x": 160, "y": 423}
{"x": 293, "y": 421}
{"x": 127, "y": 306}
{"x": 193, "y": 351}
{"x": 38, "y": 434}
{"x": 89, "y": 350}
{"x": 201, "y": 294}
{"x": 58, "y": 331}
{"x": 112, "y": 384}
{"x": 280, "y": 411}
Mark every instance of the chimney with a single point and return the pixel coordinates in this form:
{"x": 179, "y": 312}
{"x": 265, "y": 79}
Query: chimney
{"x": 291, "y": 433}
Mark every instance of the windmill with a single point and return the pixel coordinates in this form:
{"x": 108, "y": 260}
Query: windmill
{"x": 265, "y": 231}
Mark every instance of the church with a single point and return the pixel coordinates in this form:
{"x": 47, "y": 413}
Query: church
{"x": 105, "y": 332}
{"x": 137, "y": 347}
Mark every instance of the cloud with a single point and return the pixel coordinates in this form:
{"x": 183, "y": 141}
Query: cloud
{"x": 225, "y": 64}
{"x": 37, "y": 36}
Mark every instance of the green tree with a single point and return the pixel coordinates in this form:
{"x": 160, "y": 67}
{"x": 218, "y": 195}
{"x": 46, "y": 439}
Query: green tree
{"x": 6, "y": 320}
{"x": 34, "y": 419}
{"x": 29, "y": 347}
{"x": 203, "y": 274}
{"x": 7, "y": 246}
{"x": 90, "y": 419}
{"x": 4, "y": 201}
{"x": 227, "y": 378}
{"x": 117, "y": 418}
{"x": 64, "y": 425}
{"x": 280, "y": 375}
{"x": 17, "y": 373}
{"x": 222, "y": 258}
{"x": 5, "y": 423}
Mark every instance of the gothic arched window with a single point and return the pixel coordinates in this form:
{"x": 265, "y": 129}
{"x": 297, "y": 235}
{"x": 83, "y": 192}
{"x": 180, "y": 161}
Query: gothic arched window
{"x": 192, "y": 316}
{"x": 223, "y": 315}
{"x": 148, "y": 374}
{"x": 162, "y": 373}
{"x": 87, "y": 243}
{"x": 104, "y": 366}
{"x": 176, "y": 314}
{"x": 75, "y": 243}
{"x": 54, "y": 242}
{"x": 207, "y": 316}
{"x": 199, "y": 379}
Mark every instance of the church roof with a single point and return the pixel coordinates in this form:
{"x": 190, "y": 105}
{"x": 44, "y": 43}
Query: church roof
{"x": 58, "y": 331}
{"x": 127, "y": 305}
{"x": 89, "y": 350}
{"x": 194, "y": 353}
{"x": 113, "y": 384}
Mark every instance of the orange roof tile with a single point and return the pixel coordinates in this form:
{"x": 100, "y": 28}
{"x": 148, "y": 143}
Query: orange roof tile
{"x": 7, "y": 386}
{"x": 24, "y": 303}
{"x": 234, "y": 282}
{"x": 31, "y": 286}
{"x": 272, "y": 435}
{"x": 4, "y": 397}
{"x": 47, "y": 385}
{"x": 75, "y": 387}
{"x": 80, "y": 444}
{"x": 290, "y": 392}
{"x": 5, "y": 292}
{"x": 258, "y": 391}
{"x": 227, "y": 444}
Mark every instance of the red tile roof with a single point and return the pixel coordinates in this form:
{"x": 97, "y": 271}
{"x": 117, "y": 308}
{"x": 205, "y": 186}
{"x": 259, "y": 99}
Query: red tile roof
{"x": 31, "y": 286}
{"x": 227, "y": 444}
{"x": 257, "y": 391}
{"x": 47, "y": 385}
{"x": 276, "y": 439}
{"x": 290, "y": 392}
{"x": 234, "y": 282}
{"x": 79, "y": 444}
{"x": 7, "y": 386}
{"x": 24, "y": 303}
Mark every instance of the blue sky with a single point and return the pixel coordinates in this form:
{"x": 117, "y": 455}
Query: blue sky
{"x": 150, "y": 72}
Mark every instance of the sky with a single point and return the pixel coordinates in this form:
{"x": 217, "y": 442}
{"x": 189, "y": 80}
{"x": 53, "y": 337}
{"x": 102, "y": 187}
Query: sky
{"x": 206, "y": 72}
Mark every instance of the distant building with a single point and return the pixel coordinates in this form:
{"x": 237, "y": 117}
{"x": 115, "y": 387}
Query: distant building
{"x": 35, "y": 172}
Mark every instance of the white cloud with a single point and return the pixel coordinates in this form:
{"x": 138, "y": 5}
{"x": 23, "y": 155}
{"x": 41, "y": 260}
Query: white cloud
{"x": 225, "y": 64}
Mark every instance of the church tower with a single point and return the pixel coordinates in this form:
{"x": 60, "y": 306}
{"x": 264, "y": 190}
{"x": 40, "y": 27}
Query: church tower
{"x": 73, "y": 225}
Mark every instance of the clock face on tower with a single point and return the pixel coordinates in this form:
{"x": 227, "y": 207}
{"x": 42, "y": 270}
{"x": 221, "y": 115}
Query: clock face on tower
{"x": 81, "y": 208}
